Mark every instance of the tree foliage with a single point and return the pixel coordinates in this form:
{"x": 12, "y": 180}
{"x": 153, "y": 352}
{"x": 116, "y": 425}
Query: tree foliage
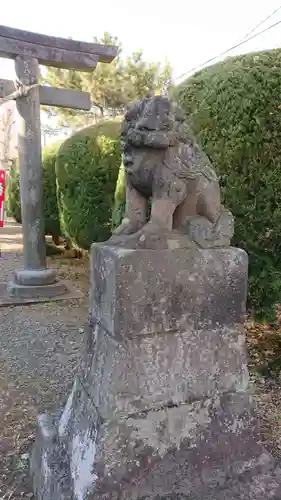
{"x": 112, "y": 86}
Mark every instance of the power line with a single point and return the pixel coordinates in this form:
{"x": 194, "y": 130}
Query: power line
{"x": 228, "y": 50}
{"x": 262, "y": 22}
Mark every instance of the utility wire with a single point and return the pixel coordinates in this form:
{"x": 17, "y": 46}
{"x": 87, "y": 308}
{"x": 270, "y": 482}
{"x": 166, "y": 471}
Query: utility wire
{"x": 228, "y": 50}
{"x": 262, "y": 22}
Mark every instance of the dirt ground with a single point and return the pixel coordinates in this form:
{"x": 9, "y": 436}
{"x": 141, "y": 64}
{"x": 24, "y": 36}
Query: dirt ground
{"x": 39, "y": 349}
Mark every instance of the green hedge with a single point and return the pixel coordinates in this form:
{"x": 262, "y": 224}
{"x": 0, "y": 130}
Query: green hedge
{"x": 51, "y": 211}
{"x": 52, "y": 224}
{"x": 12, "y": 204}
{"x": 87, "y": 170}
{"x": 233, "y": 108}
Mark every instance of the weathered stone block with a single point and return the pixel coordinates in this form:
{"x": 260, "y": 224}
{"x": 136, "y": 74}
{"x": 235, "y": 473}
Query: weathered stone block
{"x": 166, "y": 327}
{"x": 165, "y": 369}
{"x": 141, "y": 292}
{"x": 160, "y": 408}
{"x": 205, "y": 450}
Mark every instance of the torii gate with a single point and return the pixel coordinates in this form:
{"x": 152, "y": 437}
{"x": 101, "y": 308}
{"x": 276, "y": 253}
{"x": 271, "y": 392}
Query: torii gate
{"x": 35, "y": 280}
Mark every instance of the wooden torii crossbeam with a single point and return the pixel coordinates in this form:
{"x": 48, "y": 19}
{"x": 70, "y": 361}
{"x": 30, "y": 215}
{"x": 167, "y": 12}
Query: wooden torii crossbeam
{"x": 35, "y": 281}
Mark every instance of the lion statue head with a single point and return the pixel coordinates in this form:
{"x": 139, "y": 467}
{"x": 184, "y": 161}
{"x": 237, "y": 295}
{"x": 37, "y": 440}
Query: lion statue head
{"x": 158, "y": 124}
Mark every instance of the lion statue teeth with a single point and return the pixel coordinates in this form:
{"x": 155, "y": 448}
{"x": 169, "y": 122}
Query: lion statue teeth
{"x": 163, "y": 163}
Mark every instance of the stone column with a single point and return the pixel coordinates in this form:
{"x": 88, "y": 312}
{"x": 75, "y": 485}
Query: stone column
{"x": 33, "y": 278}
{"x": 160, "y": 408}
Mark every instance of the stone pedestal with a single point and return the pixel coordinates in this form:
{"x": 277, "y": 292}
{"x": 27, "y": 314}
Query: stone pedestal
{"x": 160, "y": 409}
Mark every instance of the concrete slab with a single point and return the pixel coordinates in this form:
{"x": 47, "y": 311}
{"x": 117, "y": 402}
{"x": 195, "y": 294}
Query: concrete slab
{"x": 8, "y": 300}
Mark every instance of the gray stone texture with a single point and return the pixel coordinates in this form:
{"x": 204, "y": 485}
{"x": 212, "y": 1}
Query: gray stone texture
{"x": 35, "y": 281}
{"x": 30, "y": 167}
{"x": 32, "y": 279}
{"x": 13, "y": 294}
{"x": 14, "y": 289}
{"x": 164, "y": 163}
{"x": 160, "y": 408}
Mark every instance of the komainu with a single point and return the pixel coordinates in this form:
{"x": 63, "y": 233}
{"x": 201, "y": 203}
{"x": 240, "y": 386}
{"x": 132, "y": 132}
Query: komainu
{"x": 163, "y": 163}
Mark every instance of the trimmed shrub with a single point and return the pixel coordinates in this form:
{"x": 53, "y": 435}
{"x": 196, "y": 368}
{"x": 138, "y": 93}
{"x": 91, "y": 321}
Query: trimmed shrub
{"x": 12, "y": 204}
{"x": 51, "y": 211}
{"x": 87, "y": 169}
{"x": 233, "y": 108}
{"x": 51, "y": 214}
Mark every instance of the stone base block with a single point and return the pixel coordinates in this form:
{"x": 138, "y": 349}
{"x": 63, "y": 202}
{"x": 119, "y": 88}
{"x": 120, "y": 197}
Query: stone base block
{"x": 166, "y": 327}
{"x": 13, "y": 294}
{"x": 155, "y": 371}
{"x": 35, "y": 291}
{"x": 35, "y": 277}
{"x": 43, "y": 459}
{"x": 160, "y": 408}
{"x": 207, "y": 450}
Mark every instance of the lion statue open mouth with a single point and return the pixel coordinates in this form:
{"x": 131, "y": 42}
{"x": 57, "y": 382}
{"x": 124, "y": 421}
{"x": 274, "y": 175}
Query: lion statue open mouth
{"x": 164, "y": 164}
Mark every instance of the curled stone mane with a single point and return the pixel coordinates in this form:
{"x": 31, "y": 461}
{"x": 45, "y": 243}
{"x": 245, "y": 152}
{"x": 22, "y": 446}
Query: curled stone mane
{"x": 164, "y": 163}
{"x": 158, "y": 123}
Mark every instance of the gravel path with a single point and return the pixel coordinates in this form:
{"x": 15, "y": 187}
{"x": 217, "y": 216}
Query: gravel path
{"x": 39, "y": 349}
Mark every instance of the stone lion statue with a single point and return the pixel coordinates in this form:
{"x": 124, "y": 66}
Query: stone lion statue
{"x": 163, "y": 163}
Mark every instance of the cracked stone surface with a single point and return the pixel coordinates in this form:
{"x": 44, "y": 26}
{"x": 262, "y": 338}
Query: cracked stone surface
{"x": 160, "y": 407}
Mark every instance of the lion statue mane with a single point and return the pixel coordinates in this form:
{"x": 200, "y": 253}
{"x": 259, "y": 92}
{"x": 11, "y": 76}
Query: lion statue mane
{"x": 164, "y": 165}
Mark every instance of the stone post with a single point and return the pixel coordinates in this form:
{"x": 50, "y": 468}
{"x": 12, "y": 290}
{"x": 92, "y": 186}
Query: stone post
{"x": 160, "y": 408}
{"x": 34, "y": 277}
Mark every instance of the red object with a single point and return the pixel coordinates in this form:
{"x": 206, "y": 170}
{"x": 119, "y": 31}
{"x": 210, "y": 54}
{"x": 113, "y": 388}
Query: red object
{"x": 2, "y": 196}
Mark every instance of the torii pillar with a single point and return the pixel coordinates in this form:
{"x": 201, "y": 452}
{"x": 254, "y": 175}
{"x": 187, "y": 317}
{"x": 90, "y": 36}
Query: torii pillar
{"x": 35, "y": 281}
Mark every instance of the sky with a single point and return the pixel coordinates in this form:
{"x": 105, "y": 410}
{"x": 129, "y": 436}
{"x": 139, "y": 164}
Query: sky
{"x": 185, "y": 32}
